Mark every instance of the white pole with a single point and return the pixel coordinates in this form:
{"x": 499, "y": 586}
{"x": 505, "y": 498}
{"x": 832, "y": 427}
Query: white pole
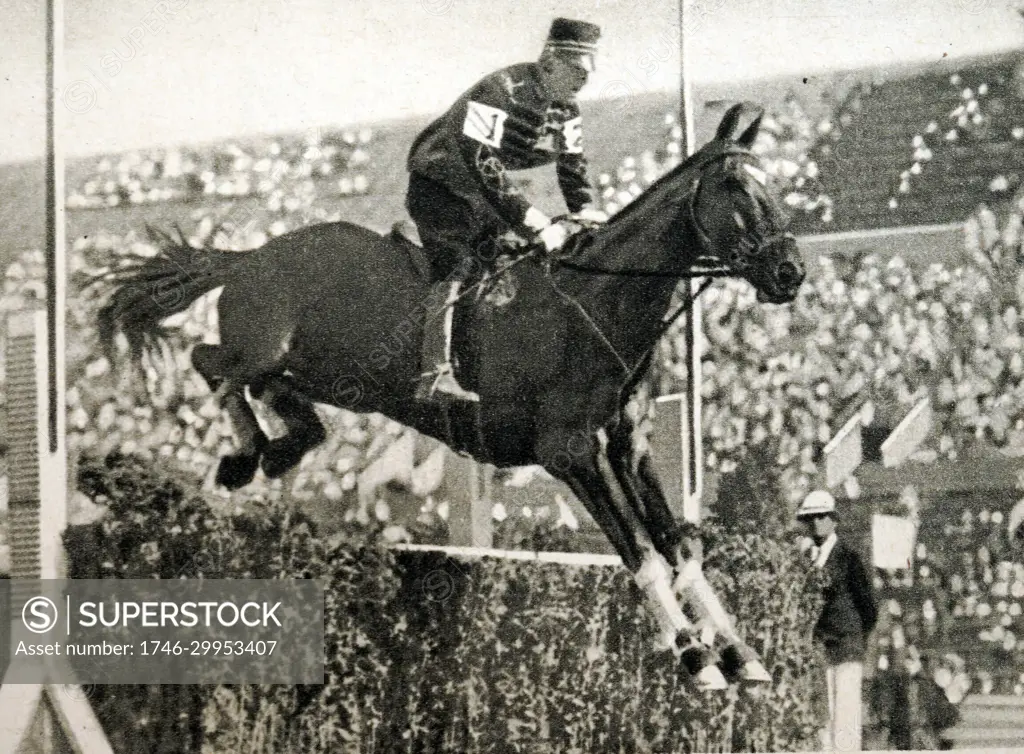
{"x": 693, "y": 450}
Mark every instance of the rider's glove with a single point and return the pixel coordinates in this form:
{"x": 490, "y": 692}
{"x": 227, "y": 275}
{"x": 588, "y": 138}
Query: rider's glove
{"x": 554, "y": 236}
{"x": 592, "y": 215}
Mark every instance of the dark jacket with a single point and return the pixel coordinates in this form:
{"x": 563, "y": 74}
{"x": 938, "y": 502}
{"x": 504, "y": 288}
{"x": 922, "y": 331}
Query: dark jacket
{"x": 502, "y": 123}
{"x": 849, "y": 613}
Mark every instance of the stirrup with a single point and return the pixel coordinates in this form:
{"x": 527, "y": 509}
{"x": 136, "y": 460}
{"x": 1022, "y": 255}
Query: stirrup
{"x": 445, "y": 382}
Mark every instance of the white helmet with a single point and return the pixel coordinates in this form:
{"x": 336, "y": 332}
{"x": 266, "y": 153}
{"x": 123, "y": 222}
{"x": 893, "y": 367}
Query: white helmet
{"x": 817, "y": 503}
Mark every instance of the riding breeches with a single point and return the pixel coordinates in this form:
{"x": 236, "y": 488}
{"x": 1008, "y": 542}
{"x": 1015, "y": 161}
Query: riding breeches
{"x": 454, "y": 236}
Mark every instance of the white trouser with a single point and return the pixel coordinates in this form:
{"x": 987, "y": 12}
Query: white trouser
{"x": 844, "y": 706}
{"x": 449, "y": 318}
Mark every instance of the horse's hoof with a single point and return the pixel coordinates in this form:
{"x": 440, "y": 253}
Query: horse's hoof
{"x": 755, "y": 672}
{"x": 698, "y": 663}
{"x": 731, "y": 663}
{"x": 234, "y": 472}
{"x": 711, "y": 679}
{"x": 695, "y": 658}
{"x": 739, "y": 663}
{"x": 281, "y": 456}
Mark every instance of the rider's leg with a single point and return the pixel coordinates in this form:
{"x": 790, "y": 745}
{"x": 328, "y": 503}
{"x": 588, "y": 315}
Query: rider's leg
{"x": 449, "y": 233}
{"x": 438, "y": 375}
{"x": 445, "y": 381}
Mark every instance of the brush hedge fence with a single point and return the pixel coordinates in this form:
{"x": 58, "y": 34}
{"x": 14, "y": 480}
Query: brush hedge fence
{"x": 426, "y": 653}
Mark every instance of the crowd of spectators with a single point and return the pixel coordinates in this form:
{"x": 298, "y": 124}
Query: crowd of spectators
{"x": 775, "y": 379}
{"x": 276, "y": 168}
{"x": 955, "y": 612}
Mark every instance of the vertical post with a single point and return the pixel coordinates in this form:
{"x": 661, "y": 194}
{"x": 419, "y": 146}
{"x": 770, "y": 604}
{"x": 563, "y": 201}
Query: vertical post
{"x": 41, "y": 717}
{"x": 54, "y": 482}
{"x": 35, "y": 421}
{"x": 693, "y": 450}
{"x": 669, "y": 428}
{"x": 467, "y": 490}
{"x": 56, "y": 248}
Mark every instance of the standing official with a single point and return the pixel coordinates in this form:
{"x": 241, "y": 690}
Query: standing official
{"x": 847, "y": 618}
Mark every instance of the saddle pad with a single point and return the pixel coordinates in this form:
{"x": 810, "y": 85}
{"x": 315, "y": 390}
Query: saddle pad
{"x": 414, "y": 253}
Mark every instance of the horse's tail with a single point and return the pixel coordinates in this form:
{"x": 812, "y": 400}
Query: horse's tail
{"x": 151, "y": 290}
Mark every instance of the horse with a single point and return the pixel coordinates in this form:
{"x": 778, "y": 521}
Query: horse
{"x": 334, "y": 313}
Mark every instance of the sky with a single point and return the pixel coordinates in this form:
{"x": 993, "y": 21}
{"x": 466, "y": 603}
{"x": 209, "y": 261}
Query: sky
{"x": 140, "y": 73}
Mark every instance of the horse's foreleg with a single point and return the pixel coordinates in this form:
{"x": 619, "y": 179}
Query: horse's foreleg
{"x": 679, "y": 547}
{"x": 687, "y": 549}
{"x": 644, "y": 493}
{"x": 598, "y": 493}
{"x": 238, "y": 469}
{"x": 303, "y": 428}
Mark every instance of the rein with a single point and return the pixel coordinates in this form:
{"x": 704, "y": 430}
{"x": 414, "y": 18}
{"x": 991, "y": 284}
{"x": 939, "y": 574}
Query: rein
{"x": 632, "y": 373}
{"x": 666, "y": 323}
{"x": 712, "y": 272}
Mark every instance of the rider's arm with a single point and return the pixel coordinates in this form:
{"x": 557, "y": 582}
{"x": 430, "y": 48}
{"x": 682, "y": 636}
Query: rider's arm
{"x": 571, "y": 166}
{"x": 501, "y": 190}
{"x": 495, "y": 130}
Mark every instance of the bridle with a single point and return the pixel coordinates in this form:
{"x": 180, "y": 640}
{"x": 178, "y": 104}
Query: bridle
{"x": 751, "y": 240}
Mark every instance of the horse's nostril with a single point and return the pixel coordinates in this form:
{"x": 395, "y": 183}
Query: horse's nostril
{"x": 788, "y": 273}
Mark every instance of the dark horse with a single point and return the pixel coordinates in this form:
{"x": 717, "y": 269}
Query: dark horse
{"x": 333, "y": 314}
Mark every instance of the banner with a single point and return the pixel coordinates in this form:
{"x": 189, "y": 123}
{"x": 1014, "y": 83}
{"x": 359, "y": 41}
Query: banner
{"x": 892, "y": 541}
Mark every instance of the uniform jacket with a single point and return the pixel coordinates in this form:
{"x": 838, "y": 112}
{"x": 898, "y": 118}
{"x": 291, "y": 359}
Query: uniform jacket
{"x": 505, "y": 122}
{"x": 849, "y": 613}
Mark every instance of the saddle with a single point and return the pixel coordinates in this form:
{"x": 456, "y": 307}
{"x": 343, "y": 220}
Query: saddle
{"x": 493, "y": 287}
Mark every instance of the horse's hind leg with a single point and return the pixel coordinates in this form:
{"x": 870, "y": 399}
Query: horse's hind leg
{"x": 304, "y": 430}
{"x": 207, "y": 360}
{"x": 238, "y": 469}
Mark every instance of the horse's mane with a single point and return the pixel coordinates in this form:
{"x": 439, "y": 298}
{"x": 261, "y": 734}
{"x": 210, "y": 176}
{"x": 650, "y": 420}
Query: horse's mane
{"x": 655, "y": 189}
{"x": 593, "y": 243}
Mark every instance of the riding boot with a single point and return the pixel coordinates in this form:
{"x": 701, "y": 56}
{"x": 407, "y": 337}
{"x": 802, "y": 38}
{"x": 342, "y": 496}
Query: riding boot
{"x": 442, "y": 378}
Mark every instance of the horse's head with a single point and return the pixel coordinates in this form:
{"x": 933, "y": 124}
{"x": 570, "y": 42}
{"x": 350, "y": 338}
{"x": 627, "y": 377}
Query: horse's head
{"x": 739, "y": 225}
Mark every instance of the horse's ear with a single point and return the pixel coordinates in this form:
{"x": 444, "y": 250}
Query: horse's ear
{"x": 729, "y": 122}
{"x": 747, "y": 137}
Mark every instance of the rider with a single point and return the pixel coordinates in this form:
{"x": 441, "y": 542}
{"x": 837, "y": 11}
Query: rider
{"x": 460, "y": 194}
